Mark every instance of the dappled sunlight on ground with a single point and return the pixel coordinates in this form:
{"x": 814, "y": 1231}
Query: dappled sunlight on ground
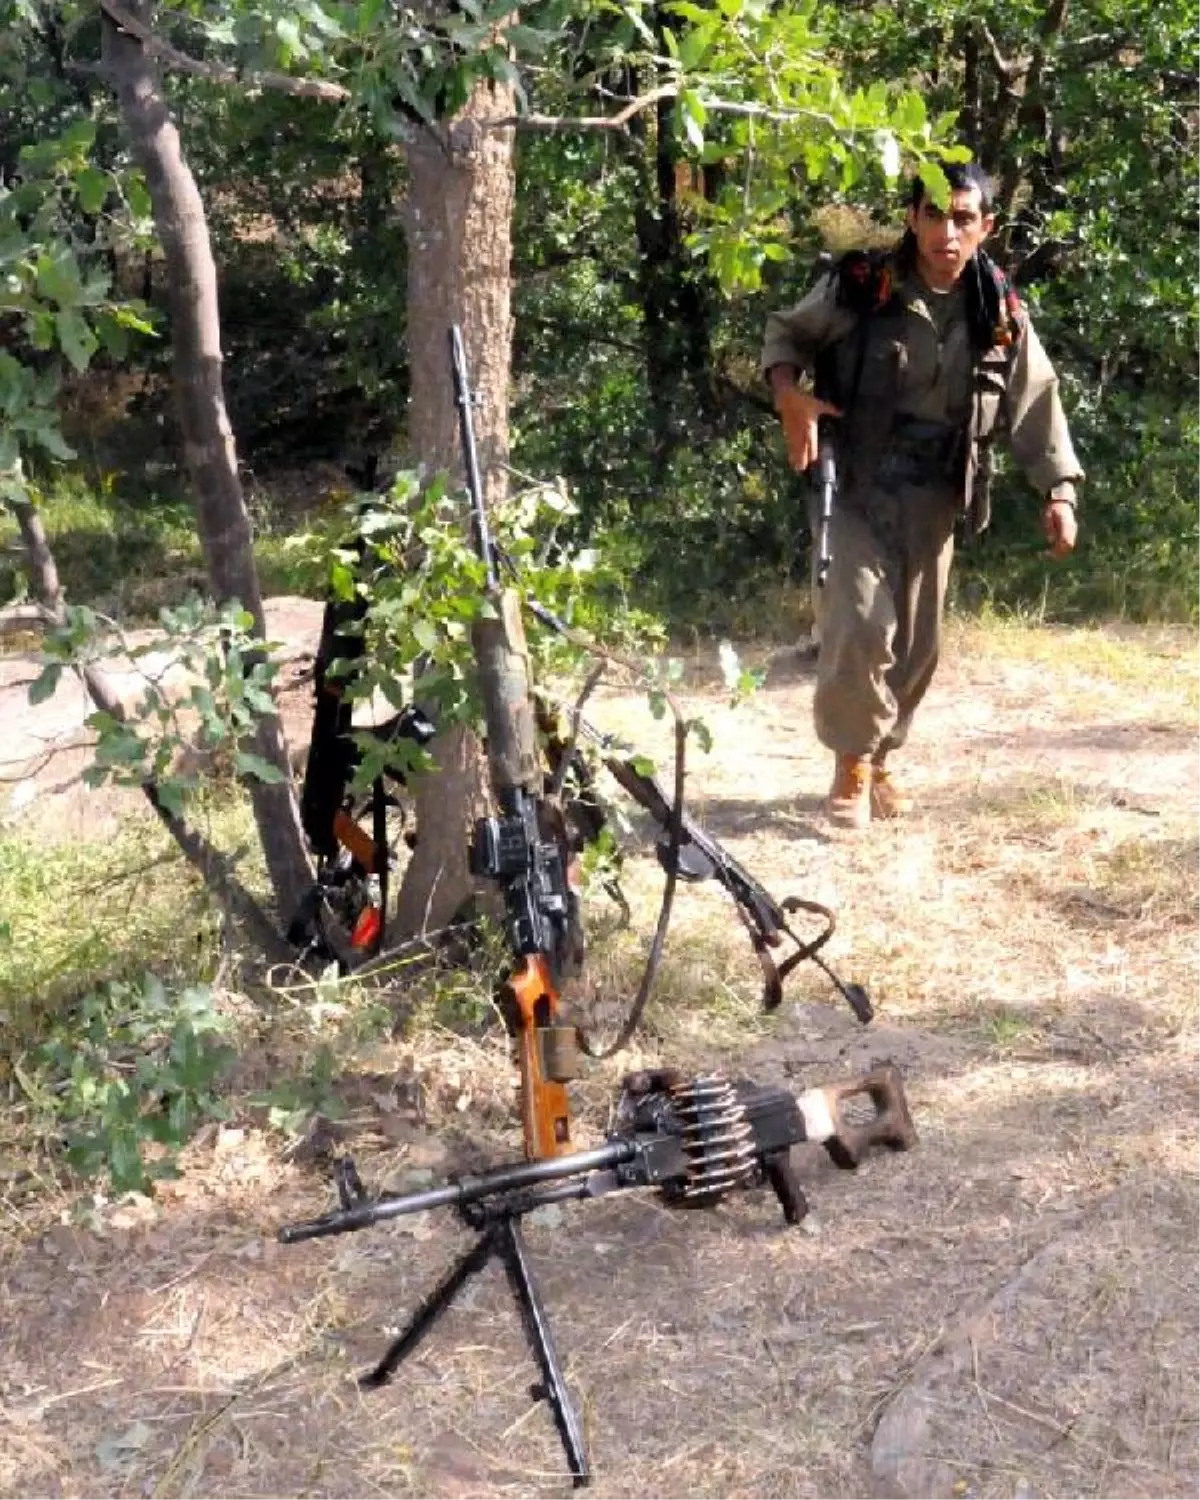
{"x": 1010, "y": 1310}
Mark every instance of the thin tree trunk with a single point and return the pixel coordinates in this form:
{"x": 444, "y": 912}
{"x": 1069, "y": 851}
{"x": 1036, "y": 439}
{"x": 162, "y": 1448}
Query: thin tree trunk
{"x": 459, "y": 230}
{"x": 222, "y": 519}
{"x": 211, "y": 864}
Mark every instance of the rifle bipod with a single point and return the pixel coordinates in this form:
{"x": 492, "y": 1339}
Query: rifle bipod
{"x": 499, "y": 1236}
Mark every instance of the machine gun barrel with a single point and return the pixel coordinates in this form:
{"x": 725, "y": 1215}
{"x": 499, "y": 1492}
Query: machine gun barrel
{"x": 466, "y": 1190}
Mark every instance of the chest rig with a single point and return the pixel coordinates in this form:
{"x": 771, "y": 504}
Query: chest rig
{"x": 861, "y": 373}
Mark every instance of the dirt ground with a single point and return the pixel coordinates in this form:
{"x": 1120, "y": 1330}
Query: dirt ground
{"x": 1008, "y": 1310}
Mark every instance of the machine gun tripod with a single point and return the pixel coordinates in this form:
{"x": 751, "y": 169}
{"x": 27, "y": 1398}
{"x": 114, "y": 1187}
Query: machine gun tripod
{"x": 694, "y": 1140}
{"x": 498, "y": 1224}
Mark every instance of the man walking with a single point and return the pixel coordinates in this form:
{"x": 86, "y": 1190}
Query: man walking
{"x": 913, "y": 361}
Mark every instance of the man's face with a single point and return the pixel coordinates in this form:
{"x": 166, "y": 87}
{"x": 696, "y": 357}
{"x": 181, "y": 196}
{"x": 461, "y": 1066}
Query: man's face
{"x": 947, "y": 241}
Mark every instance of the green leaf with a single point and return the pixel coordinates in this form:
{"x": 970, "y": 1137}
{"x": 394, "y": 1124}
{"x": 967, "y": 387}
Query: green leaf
{"x": 910, "y": 115}
{"x": 695, "y": 45}
{"x": 287, "y": 29}
{"x": 694, "y": 115}
{"x": 129, "y": 317}
{"x": 425, "y": 634}
{"x": 92, "y": 185}
{"x": 43, "y": 686}
{"x": 51, "y": 439}
{"x": 40, "y": 326}
{"x": 113, "y": 338}
{"x": 170, "y": 794}
{"x": 78, "y": 341}
{"x": 58, "y": 278}
{"x": 137, "y": 195}
{"x": 341, "y": 581}
{"x": 937, "y": 184}
{"x": 254, "y": 765}
{"x": 80, "y": 135}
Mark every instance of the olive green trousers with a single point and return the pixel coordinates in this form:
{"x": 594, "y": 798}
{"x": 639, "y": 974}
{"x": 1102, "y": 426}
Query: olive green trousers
{"x": 881, "y": 618}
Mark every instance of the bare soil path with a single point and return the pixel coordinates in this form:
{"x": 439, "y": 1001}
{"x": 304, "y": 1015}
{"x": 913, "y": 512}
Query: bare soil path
{"x": 1010, "y": 1310}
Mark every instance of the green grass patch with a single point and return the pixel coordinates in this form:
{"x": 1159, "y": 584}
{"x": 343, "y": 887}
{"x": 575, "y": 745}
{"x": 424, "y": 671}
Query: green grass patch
{"x": 128, "y": 548}
{"x": 80, "y": 914}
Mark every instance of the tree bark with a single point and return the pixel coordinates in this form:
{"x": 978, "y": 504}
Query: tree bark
{"x": 459, "y": 230}
{"x": 222, "y": 519}
{"x": 676, "y": 299}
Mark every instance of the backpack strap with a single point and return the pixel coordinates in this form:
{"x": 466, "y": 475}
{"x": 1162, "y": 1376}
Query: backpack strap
{"x": 996, "y": 313}
{"x": 865, "y": 281}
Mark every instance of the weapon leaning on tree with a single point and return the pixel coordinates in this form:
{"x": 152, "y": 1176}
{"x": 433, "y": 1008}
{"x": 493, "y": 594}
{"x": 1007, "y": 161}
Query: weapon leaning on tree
{"x": 692, "y": 1140}
{"x": 353, "y": 865}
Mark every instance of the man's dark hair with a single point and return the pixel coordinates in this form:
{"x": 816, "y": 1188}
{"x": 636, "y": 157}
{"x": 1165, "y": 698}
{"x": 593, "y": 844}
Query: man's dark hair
{"x": 962, "y": 176}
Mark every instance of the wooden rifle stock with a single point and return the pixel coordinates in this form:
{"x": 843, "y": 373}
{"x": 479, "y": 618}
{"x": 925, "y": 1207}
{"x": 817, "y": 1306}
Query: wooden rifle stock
{"x": 529, "y": 997}
{"x": 514, "y": 844}
{"x": 530, "y": 1001}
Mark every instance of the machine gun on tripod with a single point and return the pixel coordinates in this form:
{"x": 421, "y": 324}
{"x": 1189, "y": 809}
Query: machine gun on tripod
{"x": 694, "y": 1141}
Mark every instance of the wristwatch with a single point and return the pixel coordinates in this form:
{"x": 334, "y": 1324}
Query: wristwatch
{"x": 1062, "y": 494}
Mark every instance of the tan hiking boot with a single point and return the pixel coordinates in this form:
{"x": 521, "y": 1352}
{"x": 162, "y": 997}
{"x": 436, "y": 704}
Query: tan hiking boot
{"x": 850, "y": 794}
{"x": 887, "y": 799}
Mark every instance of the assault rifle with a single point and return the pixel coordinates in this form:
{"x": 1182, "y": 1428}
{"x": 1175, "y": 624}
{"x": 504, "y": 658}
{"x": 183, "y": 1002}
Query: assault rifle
{"x": 693, "y": 1140}
{"x": 826, "y": 481}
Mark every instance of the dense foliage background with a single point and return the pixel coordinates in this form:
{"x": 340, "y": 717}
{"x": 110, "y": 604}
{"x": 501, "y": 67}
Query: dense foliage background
{"x": 646, "y": 261}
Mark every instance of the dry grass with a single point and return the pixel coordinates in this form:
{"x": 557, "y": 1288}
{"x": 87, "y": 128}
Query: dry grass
{"x": 1009, "y": 1310}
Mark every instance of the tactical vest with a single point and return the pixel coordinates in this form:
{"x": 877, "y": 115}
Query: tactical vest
{"x": 861, "y": 374}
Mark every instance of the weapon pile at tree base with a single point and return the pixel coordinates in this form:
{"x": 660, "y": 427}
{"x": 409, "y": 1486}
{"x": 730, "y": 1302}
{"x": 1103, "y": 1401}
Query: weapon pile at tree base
{"x": 692, "y": 1140}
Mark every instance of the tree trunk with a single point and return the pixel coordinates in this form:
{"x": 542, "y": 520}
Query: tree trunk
{"x": 459, "y": 230}
{"x": 222, "y": 520}
{"x": 676, "y": 300}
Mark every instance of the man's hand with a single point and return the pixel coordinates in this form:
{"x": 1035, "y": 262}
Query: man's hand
{"x": 799, "y": 412}
{"x": 1060, "y": 526}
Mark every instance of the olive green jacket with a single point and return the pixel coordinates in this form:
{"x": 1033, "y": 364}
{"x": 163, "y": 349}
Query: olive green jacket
{"x": 916, "y": 359}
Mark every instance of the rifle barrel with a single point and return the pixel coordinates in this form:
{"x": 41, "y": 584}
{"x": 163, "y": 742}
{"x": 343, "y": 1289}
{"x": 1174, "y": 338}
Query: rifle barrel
{"x": 469, "y": 1189}
{"x": 462, "y": 397}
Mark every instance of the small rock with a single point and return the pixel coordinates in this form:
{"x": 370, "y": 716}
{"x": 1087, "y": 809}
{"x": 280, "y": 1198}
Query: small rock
{"x": 427, "y": 1151}
{"x": 229, "y": 1138}
{"x": 413, "y": 1179}
{"x": 549, "y": 1216}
